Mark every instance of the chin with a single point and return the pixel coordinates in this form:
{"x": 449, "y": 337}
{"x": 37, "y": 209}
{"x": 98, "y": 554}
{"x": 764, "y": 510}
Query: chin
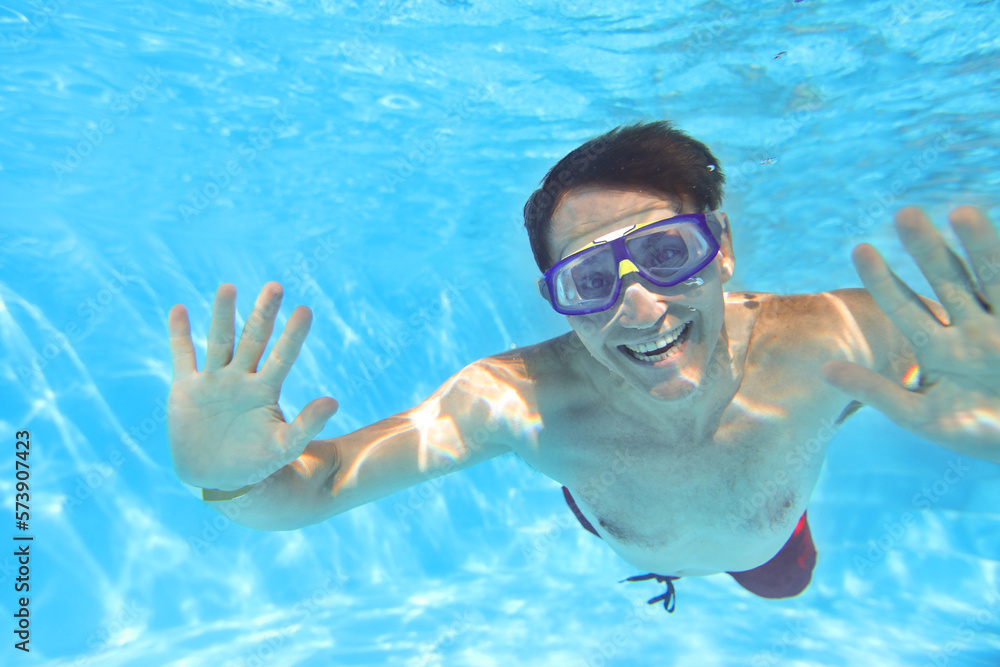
{"x": 679, "y": 381}
{"x": 676, "y": 390}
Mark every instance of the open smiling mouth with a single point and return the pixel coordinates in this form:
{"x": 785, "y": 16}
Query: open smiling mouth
{"x": 662, "y": 348}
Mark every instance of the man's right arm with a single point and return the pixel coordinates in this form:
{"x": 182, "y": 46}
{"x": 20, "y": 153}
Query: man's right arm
{"x": 485, "y": 410}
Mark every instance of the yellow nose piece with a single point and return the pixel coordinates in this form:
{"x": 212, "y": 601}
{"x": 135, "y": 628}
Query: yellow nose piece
{"x": 626, "y": 266}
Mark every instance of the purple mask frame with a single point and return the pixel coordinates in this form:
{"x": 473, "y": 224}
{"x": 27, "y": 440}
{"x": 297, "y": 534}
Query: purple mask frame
{"x": 547, "y": 283}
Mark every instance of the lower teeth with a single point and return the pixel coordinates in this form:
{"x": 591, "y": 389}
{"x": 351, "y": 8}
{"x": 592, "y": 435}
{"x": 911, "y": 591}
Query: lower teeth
{"x": 660, "y": 357}
{"x": 671, "y": 350}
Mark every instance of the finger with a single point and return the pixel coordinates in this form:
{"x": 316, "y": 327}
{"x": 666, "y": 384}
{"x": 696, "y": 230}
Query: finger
{"x": 220, "y": 329}
{"x": 284, "y": 353}
{"x": 258, "y": 328}
{"x": 895, "y": 402}
{"x": 900, "y": 303}
{"x": 982, "y": 242}
{"x": 181, "y": 347}
{"x": 308, "y": 424}
{"x": 944, "y": 270}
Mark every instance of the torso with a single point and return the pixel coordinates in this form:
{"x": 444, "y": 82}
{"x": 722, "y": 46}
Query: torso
{"x": 727, "y": 501}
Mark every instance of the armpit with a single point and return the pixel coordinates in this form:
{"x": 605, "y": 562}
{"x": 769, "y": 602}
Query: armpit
{"x": 851, "y": 408}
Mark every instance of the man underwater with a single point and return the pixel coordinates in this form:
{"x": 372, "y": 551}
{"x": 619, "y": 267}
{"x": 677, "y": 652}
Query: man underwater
{"x": 665, "y": 410}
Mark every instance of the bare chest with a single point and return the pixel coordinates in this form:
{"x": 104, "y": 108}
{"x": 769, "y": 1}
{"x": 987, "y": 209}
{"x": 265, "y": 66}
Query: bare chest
{"x": 674, "y": 505}
{"x": 727, "y": 499}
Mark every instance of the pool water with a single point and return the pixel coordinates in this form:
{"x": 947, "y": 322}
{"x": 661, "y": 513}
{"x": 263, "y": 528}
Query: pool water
{"x": 374, "y": 159}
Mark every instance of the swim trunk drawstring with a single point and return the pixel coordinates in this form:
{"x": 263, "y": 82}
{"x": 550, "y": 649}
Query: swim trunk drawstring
{"x": 668, "y": 598}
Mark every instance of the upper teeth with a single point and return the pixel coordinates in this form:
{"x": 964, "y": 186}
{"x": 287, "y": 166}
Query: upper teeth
{"x": 667, "y": 338}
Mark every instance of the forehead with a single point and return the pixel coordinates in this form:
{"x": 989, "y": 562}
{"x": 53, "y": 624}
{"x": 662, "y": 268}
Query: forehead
{"x": 586, "y": 214}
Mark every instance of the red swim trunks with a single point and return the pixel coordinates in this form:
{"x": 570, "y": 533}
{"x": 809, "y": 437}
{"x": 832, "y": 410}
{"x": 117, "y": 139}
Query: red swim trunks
{"x": 789, "y": 572}
{"x": 784, "y": 576}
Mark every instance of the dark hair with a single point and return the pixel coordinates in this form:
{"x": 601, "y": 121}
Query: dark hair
{"x": 650, "y": 157}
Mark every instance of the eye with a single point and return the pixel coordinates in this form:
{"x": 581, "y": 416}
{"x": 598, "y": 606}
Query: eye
{"x": 665, "y": 249}
{"x": 594, "y": 277}
{"x": 595, "y": 284}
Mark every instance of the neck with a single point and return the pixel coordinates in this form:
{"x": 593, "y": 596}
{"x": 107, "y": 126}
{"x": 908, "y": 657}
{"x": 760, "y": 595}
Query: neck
{"x": 696, "y": 414}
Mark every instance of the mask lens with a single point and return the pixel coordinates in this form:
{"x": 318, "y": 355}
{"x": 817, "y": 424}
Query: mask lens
{"x": 667, "y": 253}
{"x": 587, "y": 280}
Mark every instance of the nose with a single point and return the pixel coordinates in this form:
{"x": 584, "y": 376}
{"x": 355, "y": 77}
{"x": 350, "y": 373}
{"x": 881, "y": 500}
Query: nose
{"x": 641, "y": 308}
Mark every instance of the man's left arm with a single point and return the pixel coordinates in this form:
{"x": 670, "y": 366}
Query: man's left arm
{"x": 956, "y": 343}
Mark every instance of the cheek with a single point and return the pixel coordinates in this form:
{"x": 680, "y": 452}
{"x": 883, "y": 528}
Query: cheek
{"x": 589, "y": 333}
{"x": 588, "y": 326}
{"x": 712, "y": 310}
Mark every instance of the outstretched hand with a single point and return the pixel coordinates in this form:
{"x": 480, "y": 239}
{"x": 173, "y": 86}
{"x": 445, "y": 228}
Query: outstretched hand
{"x": 958, "y": 405}
{"x": 224, "y": 425}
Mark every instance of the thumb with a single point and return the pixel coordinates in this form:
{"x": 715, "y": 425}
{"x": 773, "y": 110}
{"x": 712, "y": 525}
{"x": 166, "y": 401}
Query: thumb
{"x": 867, "y": 386}
{"x": 312, "y": 419}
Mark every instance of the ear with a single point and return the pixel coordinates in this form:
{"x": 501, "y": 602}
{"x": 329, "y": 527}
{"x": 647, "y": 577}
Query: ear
{"x": 727, "y": 259}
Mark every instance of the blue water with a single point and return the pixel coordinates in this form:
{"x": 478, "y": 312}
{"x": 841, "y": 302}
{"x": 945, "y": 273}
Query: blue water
{"x": 374, "y": 158}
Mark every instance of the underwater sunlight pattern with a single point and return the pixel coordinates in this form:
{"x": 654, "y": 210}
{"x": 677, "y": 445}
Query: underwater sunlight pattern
{"x": 374, "y": 158}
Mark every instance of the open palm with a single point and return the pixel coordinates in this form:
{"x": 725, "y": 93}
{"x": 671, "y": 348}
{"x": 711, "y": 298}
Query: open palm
{"x": 958, "y": 405}
{"x": 224, "y": 425}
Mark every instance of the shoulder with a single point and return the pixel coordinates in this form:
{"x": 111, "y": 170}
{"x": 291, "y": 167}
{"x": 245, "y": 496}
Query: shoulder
{"x": 845, "y": 324}
{"x": 534, "y": 361}
{"x": 824, "y": 326}
{"x": 548, "y": 375}
{"x": 782, "y": 311}
{"x": 526, "y": 370}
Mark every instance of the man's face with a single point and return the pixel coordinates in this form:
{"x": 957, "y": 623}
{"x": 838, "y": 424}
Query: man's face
{"x": 644, "y": 312}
